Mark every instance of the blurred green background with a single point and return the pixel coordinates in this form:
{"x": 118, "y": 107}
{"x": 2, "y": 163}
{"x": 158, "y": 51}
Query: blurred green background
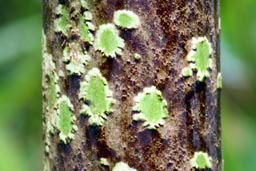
{"x": 21, "y": 147}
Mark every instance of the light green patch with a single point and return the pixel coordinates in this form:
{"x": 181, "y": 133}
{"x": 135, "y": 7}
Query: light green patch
{"x": 67, "y": 54}
{"x": 121, "y": 166}
{"x": 75, "y": 59}
{"x": 48, "y": 64}
{"x": 75, "y": 68}
{"x": 51, "y": 89}
{"x": 108, "y": 40}
{"x": 66, "y": 119}
{"x": 84, "y": 4}
{"x": 219, "y": 81}
{"x": 84, "y": 30}
{"x": 88, "y": 15}
{"x": 219, "y": 22}
{"x": 137, "y": 56}
{"x": 52, "y": 92}
{"x": 104, "y": 161}
{"x": 90, "y": 26}
{"x": 126, "y": 19}
{"x": 62, "y": 22}
{"x": 95, "y": 90}
{"x": 187, "y": 72}
{"x": 46, "y": 164}
{"x": 152, "y": 107}
{"x": 199, "y": 56}
{"x": 201, "y": 160}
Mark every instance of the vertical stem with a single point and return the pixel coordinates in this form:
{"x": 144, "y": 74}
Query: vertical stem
{"x": 154, "y": 55}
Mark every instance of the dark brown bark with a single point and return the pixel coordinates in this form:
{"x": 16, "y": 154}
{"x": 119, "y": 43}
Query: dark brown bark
{"x": 193, "y": 123}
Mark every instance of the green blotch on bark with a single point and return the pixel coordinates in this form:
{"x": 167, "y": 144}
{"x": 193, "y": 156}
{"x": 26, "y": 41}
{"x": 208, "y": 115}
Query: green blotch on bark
{"x": 65, "y": 120}
{"x": 187, "y": 72}
{"x": 152, "y": 107}
{"x": 62, "y": 22}
{"x": 46, "y": 164}
{"x": 51, "y": 89}
{"x": 126, "y": 19}
{"x": 50, "y": 80}
{"x": 121, "y": 166}
{"x": 52, "y": 92}
{"x": 108, "y": 40}
{"x": 137, "y": 56}
{"x": 219, "y": 81}
{"x": 199, "y": 54}
{"x": 201, "y": 160}
{"x": 75, "y": 68}
{"x": 84, "y": 30}
{"x": 75, "y": 59}
{"x": 104, "y": 162}
{"x": 95, "y": 91}
{"x": 84, "y": 4}
{"x": 87, "y": 15}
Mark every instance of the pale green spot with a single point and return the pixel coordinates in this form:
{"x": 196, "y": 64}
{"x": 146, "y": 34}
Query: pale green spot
{"x": 126, "y": 19}
{"x": 187, "y": 72}
{"x": 48, "y": 64}
{"x": 52, "y": 92}
{"x": 46, "y": 164}
{"x": 87, "y": 15}
{"x": 84, "y": 4}
{"x": 121, "y": 166}
{"x": 75, "y": 59}
{"x": 96, "y": 92}
{"x": 108, "y": 40}
{"x": 66, "y": 54}
{"x": 219, "y": 22}
{"x": 66, "y": 118}
{"x": 219, "y": 81}
{"x": 201, "y": 160}
{"x": 137, "y": 56}
{"x": 151, "y": 107}
{"x": 104, "y": 161}
{"x": 90, "y": 26}
{"x": 62, "y": 22}
{"x": 84, "y": 30}
{"x": 200, "y": 51}
{"x": 75, "y": 68}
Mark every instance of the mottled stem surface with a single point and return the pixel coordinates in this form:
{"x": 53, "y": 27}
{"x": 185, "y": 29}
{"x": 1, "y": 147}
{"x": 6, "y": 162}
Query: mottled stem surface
{"x": 193, "y": 122}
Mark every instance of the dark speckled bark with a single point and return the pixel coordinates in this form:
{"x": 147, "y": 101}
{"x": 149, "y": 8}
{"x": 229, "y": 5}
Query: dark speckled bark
{"x": 194, "y": 118}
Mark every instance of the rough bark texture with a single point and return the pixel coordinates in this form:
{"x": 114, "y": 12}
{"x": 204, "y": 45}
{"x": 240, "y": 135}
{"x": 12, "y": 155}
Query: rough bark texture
{"x": 193, "y": 123}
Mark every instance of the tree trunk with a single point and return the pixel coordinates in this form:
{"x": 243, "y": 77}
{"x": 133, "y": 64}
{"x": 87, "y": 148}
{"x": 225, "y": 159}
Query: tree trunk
{"x": 134, "y": 93}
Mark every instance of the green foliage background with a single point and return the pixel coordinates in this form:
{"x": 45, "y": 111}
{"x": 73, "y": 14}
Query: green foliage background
{"x": 21, "y": 147}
